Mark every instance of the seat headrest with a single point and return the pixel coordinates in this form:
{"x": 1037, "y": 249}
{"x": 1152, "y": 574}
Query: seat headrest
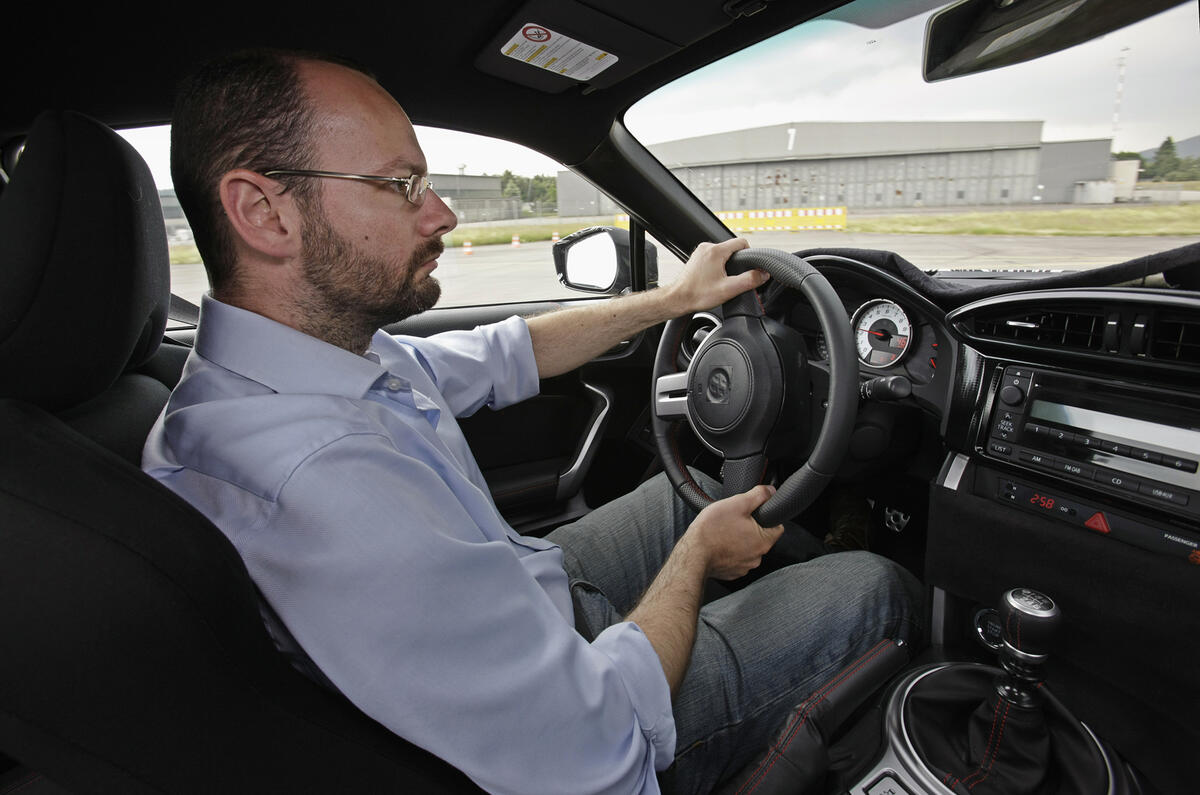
{"x": 84, "y": 270}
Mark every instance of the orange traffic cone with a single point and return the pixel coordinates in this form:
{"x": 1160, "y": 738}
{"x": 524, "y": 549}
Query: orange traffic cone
{"x": 516, "y": 241}
{"x": 554, "y": 237}
{"x": 466, "y": 248}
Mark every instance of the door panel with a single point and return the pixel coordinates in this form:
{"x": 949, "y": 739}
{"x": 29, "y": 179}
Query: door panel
{"x": 578, "y": 443}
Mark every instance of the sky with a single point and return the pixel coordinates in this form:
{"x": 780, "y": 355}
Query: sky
{"x": 829, "y": 70}
{"x": 834, "y": 71}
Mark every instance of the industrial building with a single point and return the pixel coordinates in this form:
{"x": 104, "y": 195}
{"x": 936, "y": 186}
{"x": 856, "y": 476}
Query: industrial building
{"x": 867, "y": 165}
{"x": 473, "y": 197}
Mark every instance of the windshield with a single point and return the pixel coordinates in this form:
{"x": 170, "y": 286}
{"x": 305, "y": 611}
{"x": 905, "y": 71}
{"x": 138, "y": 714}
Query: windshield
{"x": 827, "y": 136}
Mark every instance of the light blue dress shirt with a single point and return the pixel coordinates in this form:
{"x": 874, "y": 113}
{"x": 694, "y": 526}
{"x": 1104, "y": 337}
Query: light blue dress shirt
{"x": 348, "y": 488}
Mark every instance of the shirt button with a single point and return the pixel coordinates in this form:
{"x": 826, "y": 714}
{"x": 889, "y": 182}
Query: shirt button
{"x": 393, "y": 384}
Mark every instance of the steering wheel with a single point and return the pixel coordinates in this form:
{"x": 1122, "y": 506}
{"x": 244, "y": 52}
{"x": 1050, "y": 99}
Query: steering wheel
{"x": 748, "y": 381}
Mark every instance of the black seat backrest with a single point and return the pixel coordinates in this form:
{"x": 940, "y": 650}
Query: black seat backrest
{"x": 134, "y": 656}
{"x": 86, "y": 279}
{"x": 132, "y": 653}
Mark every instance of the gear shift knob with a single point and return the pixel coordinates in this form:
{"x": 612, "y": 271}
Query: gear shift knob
{"x": 1029, "y": 620}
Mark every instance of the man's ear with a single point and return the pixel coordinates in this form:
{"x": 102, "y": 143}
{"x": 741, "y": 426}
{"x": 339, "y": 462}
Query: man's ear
{"x": 264, "y": 219}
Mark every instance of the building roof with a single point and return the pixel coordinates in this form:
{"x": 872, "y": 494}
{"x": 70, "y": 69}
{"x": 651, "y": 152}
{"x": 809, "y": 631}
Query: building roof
{"x": 811, "y": 140}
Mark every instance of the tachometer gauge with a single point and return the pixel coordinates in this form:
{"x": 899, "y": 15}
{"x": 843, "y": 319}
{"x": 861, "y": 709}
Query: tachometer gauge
{"x": 881, "y": 332}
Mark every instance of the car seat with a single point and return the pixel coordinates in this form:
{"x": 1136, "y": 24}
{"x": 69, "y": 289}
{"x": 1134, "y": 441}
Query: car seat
{"x": 134, "y": 655}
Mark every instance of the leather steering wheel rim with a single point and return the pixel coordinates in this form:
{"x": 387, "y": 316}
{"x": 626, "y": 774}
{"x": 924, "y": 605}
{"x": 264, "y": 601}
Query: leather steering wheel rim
{"x": 802, "y": 487}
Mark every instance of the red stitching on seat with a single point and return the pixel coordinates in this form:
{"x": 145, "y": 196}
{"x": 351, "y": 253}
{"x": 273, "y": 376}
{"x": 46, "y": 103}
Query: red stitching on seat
{"x": 802, "y": 716}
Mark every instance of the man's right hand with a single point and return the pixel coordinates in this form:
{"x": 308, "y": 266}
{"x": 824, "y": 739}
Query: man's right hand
{"x": 727, "y": 536}
{"x": 724, "y": 542}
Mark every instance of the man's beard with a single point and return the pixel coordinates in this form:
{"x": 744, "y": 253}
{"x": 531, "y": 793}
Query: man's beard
{"x": 360, "y": 291}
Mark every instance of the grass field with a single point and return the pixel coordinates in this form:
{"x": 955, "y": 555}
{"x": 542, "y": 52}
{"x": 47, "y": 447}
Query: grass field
{"x": 185, "y": 255}
{"x": 495, "y": 235}
{"x": 1113, "y": 221}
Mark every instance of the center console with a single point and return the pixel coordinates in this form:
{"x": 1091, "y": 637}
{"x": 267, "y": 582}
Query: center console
{"x": 1103, "y": 441}
{"x": 1085, "y": 488}
{"x": 963, "y": 727}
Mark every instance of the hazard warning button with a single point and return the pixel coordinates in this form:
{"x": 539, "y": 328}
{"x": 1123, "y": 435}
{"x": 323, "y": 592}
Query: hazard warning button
{"x": 1099, "y": 523}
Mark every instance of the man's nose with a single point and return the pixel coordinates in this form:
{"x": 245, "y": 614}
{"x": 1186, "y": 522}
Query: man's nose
{"x": 436, "y": 217}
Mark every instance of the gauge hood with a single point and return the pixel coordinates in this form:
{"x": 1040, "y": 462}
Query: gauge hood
{"x": 1178, "y": 267}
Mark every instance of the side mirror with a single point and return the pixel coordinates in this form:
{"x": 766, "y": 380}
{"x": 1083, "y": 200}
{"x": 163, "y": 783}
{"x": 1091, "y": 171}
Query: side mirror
{"x": 597, "y": 260}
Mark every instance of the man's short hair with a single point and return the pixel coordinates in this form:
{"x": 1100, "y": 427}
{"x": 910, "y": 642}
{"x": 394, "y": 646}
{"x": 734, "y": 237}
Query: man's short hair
{"x": 245, "y": 109}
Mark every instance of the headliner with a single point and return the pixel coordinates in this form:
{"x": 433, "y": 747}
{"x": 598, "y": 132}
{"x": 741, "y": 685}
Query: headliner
{"x": 122, "y": 70}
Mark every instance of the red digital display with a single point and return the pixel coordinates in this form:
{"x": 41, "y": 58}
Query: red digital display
{"x": 1042, "y": 501}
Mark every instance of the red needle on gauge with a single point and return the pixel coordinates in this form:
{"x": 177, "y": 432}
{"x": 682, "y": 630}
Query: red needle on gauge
{"x": 876, "y": 333}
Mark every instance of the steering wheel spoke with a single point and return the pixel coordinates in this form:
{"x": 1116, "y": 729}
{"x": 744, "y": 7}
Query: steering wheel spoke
{"x": 670, "y": 396}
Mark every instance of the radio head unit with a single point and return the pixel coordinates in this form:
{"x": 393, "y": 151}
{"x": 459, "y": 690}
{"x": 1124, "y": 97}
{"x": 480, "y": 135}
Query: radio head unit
{"x": 1116, "y": 437}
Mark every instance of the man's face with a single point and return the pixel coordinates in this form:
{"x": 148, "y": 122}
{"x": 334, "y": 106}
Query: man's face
{"x": 350, "y": 281}
{"x": 367, "y": 251}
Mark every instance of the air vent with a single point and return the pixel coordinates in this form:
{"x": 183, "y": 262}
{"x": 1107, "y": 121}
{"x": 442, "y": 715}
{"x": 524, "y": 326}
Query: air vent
{"x": 1078, "y": 330}
{"x": 1176, "y": 340}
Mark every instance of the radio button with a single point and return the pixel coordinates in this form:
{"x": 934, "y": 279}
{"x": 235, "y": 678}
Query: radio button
{"x": 1117, "y": 480}
{"x": 1059, "y": 435}
{"x": 1087, "y": 441}
{"x": 1037, "y": 459}
{"x": 1114, "y": 447}
{"x": 1019, "y": 372}
{"x": 1001, "y": 449}
{"x": 1161, "y": 493}
{"x": 1145, "y": 455}
{"x": 1182, "y": 464}
{"x": 1075, "y": 469}
{"x": 1033, "y": 429}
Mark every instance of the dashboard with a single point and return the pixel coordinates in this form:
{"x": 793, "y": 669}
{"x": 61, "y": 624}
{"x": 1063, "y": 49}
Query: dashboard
{"x": 897, "y": 331}
{"x": 1050, "y": 439}
{"x": 1081, "y": 405}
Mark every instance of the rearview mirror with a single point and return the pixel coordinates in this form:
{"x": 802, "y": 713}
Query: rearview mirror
{"x": 597, "y": 260}
{"x": 978, "y": 35}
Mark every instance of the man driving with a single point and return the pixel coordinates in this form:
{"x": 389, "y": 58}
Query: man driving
{"x": 328, "y": 452}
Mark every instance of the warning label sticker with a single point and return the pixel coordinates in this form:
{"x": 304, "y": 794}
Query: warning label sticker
{"x": 539, "y": 46}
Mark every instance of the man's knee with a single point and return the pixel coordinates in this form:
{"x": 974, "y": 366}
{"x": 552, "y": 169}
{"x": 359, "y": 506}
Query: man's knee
{"x": 860, "y": 587}
{"x": 882, "y": 581}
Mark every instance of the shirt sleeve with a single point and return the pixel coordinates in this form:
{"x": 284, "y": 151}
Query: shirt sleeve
{"x": 441, "y": 634}
{"x": 490, "y": 365}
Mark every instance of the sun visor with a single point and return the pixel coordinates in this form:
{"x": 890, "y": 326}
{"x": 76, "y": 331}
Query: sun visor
{"x": 554, "y": 45}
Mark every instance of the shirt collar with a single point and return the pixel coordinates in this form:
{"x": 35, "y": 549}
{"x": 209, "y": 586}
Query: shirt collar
{"x": 280, "y": 357}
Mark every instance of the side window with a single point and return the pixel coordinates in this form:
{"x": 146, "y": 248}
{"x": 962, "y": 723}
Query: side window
{"x": 506, "y": 197}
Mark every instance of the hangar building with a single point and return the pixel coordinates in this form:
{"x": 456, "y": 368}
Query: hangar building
{"x": 862, "y": 165}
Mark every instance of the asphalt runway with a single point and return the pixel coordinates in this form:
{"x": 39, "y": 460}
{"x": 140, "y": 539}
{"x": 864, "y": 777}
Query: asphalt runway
{"x": 503, "y": 274}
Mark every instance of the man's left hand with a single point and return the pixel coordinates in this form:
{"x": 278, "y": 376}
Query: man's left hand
{"x": 704, "y": 283}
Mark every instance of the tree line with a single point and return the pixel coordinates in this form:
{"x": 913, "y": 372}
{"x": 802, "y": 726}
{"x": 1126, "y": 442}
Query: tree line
{"x": 540, "y": 188}
{"x": 1166, "y": 165}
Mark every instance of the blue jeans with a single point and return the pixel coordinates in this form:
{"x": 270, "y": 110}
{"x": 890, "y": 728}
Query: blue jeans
{"x": 759, "y": 651}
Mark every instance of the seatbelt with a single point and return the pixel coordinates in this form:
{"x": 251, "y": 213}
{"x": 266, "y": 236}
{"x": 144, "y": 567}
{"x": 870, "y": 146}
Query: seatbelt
{"x": 183, "y": 311}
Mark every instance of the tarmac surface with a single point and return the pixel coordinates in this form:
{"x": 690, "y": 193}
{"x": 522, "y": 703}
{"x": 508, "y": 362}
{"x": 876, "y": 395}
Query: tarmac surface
{"x": 504, "y": 274}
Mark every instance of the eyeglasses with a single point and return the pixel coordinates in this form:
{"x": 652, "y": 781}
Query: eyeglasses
{"x": 414, "y": 186}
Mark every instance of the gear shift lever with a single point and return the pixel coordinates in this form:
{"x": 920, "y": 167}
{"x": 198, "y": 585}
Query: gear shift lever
{"x": 1029, "y": 620}
{"x": 975, "y": 730}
